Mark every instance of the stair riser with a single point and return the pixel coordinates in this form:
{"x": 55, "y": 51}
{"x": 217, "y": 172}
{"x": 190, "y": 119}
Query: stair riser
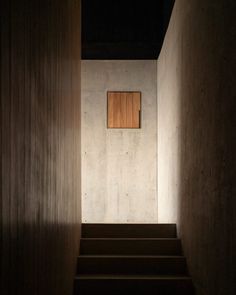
{"x": 137, "y": 287}
{"x": 129, "y": 259}
{"x": 130, "y": 247}
{"x": 163, "y": 266}
{"x": 129, "y": 230}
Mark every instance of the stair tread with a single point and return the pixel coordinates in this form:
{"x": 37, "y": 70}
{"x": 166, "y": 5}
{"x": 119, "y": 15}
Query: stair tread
{"x": 129, "y": 224}
{"x": 132, "y": 256}
{"x": 128, "y": 230}
{"x": 135, "y": 277}
{"x": 133, "y": 246}
{"x": 131, "y": 239}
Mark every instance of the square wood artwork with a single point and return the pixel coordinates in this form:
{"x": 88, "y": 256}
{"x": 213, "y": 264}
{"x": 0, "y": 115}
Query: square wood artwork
{"x": 123, "y": 109}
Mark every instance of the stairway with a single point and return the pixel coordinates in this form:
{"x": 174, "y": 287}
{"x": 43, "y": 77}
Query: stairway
{"x": 120, "y": 259}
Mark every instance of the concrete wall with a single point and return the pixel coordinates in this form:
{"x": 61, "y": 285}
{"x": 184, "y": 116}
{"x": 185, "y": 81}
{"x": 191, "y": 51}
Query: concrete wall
{"x": 196, "y": 138}
{"x": 118, "y": 166}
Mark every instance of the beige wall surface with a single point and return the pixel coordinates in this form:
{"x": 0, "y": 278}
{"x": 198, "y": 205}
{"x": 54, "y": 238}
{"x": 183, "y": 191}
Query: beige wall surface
{"x": 196, "y": 138}
{"x": 118, "y": 166}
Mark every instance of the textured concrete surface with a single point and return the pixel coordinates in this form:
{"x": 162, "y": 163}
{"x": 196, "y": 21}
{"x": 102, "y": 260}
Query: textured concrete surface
{"x": 118, "y": 166}
{"x": 196, "y": 139}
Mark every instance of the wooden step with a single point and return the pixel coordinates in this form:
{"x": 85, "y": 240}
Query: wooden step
{"x": 130, "y": 246}
{"x": 138, "y": 285}
{"x": 101, "y": 230}
{"x": 122, "y": 259}
{"x": 133, "y": 265}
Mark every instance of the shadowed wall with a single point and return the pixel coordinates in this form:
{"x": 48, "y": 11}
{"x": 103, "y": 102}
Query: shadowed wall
{"x": 196, "y": 138}
{"x": 40, "y": 146}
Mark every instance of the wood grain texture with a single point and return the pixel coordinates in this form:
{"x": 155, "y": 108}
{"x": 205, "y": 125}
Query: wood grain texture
{"x": 124, "y": 109}
{"x": 40, "y": 146}
{"x": 129, "y": 103}
{"x": 136, "y": 110}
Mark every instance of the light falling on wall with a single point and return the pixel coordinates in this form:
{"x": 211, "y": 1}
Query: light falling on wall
{"x": 118, "y": 165}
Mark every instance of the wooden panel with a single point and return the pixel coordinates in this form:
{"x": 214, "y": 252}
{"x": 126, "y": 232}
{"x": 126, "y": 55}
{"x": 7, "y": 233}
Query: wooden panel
{"x": 124, "y": 109}
{"x": 123, "y": 114}
{"x": 136, "y": 110}
{"x": 116, "y": 109}
{"x": 110, "y": 111}
{"x": 40, "y": 146}
{"x": 129, "y": 103}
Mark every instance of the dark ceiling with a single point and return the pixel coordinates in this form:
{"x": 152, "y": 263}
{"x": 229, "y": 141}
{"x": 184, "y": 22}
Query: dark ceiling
{"x": 124, "y": 29}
